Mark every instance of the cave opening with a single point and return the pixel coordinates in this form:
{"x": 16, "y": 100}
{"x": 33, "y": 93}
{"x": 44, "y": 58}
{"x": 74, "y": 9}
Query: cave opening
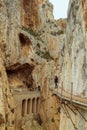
{"x": 24, "y": 39}
{"x": 20, "y": 76}
{"x": 25, "y": 44}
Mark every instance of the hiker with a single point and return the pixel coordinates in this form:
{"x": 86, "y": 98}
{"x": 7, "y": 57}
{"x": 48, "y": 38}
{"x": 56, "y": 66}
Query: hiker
{"x": 56, "y": 81}
{"x": 39, "y": 88}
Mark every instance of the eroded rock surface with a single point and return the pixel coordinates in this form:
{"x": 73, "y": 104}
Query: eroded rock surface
{"x": 74, "y": 71}
{"x": 33, "y": 49}
{"x": 31, "y": 42}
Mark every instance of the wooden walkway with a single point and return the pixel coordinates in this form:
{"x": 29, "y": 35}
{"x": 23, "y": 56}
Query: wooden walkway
{"x": 69, "y": 97}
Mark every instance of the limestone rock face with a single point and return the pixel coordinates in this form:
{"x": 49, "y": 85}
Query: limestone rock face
{"x": 7, "y": 104}
{"x": 31, "y": 44}
{"x": 74, "y": 70}
{"x": 75, "y": 49}
{"x": 48, "y": 112}
{"x": 33, "y": 49}
{"x": 35, "y": 13}
{"x": 32, "y": 125}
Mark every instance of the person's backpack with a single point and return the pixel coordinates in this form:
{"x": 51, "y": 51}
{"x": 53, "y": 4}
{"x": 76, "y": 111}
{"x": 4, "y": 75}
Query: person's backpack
{"x": 56, "y": 79}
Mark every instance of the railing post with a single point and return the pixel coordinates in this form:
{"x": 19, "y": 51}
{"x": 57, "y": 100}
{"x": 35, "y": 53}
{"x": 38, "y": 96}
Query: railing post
{"x": 71, "y": 91}
{"x": 61, "y": 95}
{"x": 62, "y": 90}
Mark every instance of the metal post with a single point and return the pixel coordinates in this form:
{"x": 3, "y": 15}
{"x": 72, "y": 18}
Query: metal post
{"x": 61, "y": 95}
{"x": 71, "y": 91}
{"x": 62, "y": 90}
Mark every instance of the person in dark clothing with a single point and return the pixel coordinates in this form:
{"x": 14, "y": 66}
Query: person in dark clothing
{"x": 56, "y": 81}
{"x": 39, "y": 88}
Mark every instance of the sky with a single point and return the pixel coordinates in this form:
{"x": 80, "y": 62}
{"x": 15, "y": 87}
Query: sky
{"x": 60, "y": 8}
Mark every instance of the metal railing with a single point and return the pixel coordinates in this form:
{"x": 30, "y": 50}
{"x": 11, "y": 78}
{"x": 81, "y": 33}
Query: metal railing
{"x": 70, "y": 96}
{"x": 69, "y": 103}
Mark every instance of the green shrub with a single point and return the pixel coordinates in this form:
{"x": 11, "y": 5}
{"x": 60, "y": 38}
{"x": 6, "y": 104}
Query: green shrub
{"x": 45, "y": 55}
{"x": 43, "y": 6}
{"x": 29, "y": 30}
{"x": 57, "y": 33}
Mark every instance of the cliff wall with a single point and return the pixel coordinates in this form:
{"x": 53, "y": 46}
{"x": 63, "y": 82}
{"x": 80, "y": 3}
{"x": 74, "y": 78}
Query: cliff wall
{"x": 74, "y": 70}
{"x": 31, "y": 42}
{"x": 33, "y": 49}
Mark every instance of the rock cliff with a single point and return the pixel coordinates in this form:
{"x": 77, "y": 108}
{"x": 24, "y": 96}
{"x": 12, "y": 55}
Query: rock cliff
{"x": 33, "y": 49}
{"x": 74, "y": 70}
{"x": 30, "y": 43}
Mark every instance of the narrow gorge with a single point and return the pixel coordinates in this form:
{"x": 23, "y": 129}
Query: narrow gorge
{"x": 34, "y": 48}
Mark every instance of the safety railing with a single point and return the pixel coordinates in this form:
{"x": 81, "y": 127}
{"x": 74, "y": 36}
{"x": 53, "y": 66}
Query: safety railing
{"x": 70, "y": 102}
{"x": 69, "y": 95}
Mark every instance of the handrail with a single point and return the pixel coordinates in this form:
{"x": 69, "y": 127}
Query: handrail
{"x": 70, "y": 97}
{"x": 75, "y": 99}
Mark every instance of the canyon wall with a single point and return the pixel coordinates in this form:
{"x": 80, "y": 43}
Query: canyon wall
{"x": 31, "y": 42}
{"x": 33, "y": 49}
{"x": 75, "y": 49}
{"x": 74, "y": 70}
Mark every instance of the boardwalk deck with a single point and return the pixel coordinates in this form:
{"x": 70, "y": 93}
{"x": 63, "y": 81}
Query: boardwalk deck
{"x": 76, "y": 99}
